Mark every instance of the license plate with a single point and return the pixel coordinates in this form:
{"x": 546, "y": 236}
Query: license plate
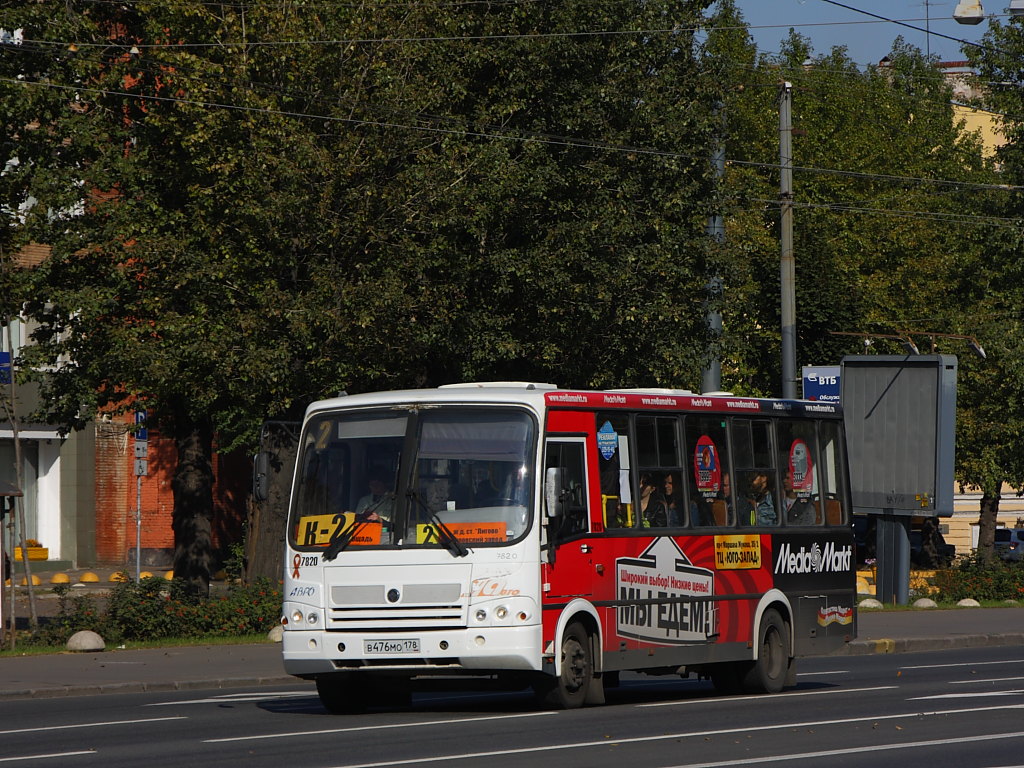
{"x": 391, "y": 647}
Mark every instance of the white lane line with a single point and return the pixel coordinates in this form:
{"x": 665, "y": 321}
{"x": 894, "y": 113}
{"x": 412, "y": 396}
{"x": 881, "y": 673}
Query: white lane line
{"x": 985, "y": 680}
{"x": 683, "y": 735}
{"x": 963, "y": 664}
{"x": 91, "y": 725}
{"x": 853, "y": 750}
{"x": 971, "y": 695}
{"x": 819, "y": 674}
{"x": 762, "y": 697}
{"x": 47, "y": 757}
{"x": 291, "y": 734}
{"x": 236, "y": 697}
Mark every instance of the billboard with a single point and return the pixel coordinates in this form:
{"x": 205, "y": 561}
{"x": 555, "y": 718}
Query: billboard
{"x": 900, "y": 417}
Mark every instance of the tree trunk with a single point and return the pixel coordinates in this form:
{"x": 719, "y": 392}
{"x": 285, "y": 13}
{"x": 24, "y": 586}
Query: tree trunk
{"x": 265, "y": 533}
{"x": 987, "y": 525}
{"x": 193, "y": 507}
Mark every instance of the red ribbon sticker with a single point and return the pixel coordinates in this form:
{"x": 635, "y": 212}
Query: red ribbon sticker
{"x": 295, "y": 566}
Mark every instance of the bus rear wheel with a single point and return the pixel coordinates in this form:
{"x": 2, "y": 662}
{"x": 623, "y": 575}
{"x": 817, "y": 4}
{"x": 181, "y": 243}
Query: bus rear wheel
{"x": 568, "y": 690}
{"x": 769, "y": 672}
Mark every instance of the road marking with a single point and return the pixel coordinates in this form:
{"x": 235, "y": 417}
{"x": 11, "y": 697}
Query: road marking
{"x": 853, "y": 750}
{"x": 46, "y": 757}
{"x": 291, "y": 734}
{"x": 819, "y": 674}
{"x": 683, "y": 735}
{"x": 91, "y": 725}
{"x": 766, "y": 696}
{"x": 972, "y": 695}
{"x": 239, "y": 697}
{"x": 962, "y": 664}
{"x": 985, "y": 680}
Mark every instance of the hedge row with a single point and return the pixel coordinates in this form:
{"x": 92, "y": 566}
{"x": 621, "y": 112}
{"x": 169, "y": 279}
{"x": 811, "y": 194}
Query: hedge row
{"x": 155, "y": 608}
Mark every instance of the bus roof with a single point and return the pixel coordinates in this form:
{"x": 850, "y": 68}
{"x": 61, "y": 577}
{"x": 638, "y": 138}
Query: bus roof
{"x": 540, "y": 396}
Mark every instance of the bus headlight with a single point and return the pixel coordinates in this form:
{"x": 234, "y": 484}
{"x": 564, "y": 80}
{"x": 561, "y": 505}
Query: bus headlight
{"x": 297, "y": 616}
{"x": 501, "y": 612}
{"x": 312, "y": 618}
{"x": 481, "y": 614}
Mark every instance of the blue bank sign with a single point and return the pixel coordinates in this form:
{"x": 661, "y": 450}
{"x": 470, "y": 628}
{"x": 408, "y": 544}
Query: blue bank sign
{"x": 821, "y": 382}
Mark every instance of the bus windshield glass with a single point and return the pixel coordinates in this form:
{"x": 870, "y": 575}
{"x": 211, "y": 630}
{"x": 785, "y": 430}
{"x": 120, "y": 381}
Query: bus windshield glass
{"x": 414, "y": 478}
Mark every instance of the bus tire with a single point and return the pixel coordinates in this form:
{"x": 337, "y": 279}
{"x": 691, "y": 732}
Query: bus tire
{"x": 569, "y": 689}
{"x": 769, "y": 672}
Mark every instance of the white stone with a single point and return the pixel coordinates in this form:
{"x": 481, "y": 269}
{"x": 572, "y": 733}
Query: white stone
{"x": 276, "y": 635}
{"x": 869, "y": 603}
{"x": 969, "y": 602}
{"x": 925, "y": 602}
{"x": 86, "y": 640}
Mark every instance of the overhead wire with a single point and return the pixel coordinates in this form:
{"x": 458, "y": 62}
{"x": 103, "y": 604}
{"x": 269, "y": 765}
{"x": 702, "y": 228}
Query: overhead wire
{"x": 542, "y": 138}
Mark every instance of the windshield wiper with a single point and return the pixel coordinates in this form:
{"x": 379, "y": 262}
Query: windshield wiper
{"x": 342, "y": 540}
{"x": 445, "y": 536}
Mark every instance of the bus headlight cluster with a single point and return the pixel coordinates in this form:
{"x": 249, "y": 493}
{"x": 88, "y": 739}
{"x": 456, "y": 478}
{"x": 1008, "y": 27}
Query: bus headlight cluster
{"x": 296, "y": 618}
{"x": 504, "y": 614}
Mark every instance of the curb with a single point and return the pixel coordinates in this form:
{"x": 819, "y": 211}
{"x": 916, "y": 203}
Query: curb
{"x": 938, "y": 643}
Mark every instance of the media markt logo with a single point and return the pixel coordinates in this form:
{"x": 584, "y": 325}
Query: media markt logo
{"x": 659, "y": 595}
{"x": 813, "y": 559}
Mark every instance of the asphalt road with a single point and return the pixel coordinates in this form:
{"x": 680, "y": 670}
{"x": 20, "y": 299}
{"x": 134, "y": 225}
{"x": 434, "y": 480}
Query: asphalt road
{"x": 948, "y": 708}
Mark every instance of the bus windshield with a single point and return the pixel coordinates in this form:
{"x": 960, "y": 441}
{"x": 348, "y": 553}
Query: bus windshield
{"x": 413, "y": 478}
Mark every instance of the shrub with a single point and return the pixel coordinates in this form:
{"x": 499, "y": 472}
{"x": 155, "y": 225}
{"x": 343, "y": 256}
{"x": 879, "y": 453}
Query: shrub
{"x": 154, "y": 609}
{"x": 972, "y": 576}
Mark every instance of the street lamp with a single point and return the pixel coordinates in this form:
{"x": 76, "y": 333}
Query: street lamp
{"x": 971, "y": 12}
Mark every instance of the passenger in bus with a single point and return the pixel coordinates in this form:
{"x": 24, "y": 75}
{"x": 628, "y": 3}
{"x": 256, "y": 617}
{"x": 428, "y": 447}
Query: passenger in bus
{"x": 799, "y": 511}
{"x": 378, "y": 505}
{"x": 674, "y": 501}
{"x": 759, "y": 503}
{"x": 652, "y": 510}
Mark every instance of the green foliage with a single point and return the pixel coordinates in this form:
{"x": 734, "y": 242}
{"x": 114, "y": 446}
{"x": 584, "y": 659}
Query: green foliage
{"x": 154, "y": 608}
{"x": 974, "y": 577}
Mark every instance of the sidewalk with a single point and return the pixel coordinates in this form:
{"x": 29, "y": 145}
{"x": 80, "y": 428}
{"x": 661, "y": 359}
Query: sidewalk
{"x": 221, "y": 666}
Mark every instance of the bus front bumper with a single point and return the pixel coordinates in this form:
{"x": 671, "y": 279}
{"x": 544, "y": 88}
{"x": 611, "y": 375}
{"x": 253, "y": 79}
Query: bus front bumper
{"x": 312, "y": 652}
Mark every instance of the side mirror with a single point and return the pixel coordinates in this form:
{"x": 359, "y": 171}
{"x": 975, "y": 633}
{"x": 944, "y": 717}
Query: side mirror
{"x": 260, "y": 476}
{"x": 553, "y": 492}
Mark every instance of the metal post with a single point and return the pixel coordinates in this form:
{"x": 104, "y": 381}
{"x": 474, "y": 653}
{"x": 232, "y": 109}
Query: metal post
{"x": 138, "y": 528}
{"x": 787, "y": 269}
{"x": 711, "y": 380}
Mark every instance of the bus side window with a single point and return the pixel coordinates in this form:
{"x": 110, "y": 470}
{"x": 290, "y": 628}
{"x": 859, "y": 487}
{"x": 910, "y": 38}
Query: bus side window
{"x": 832, "y": 475}
{"x": 568, "y": 456}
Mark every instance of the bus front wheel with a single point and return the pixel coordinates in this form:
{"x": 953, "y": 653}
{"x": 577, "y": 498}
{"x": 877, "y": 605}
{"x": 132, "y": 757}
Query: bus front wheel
{"x": 568, "y": 690}
{"x": 769, "y": 673}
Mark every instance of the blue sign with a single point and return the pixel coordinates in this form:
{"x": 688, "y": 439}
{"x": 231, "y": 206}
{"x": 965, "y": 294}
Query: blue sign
{"x": 142, "y": 433}
{"x": 5, "y": 367}
{"x": 821, "y": 383}
{"x": 607, "y": 440}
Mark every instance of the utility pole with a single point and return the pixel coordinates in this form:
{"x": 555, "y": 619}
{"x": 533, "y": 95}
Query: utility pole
{"x": 787, "y": 269}
{"x": 711, "y": 380}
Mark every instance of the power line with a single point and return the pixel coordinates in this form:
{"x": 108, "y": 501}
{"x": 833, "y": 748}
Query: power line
{"x": 928, "y": 32}
{"x": 525, "y": 138}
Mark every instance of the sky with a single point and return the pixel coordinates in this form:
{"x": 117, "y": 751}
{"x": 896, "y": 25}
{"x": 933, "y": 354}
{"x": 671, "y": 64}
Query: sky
{"x": 868, "y": 39}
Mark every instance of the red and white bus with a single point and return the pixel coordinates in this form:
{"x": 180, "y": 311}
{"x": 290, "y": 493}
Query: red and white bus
{"x": 556, "y": 538}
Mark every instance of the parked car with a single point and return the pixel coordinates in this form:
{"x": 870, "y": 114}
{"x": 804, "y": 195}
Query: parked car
{"x": 1009, "y": 543}
{"x": 945, "y": 553}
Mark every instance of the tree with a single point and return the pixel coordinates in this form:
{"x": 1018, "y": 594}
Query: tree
{"x": 874, "y": 247}
{"x": 991, "y": 439}
{"x": 243, "y": 218}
